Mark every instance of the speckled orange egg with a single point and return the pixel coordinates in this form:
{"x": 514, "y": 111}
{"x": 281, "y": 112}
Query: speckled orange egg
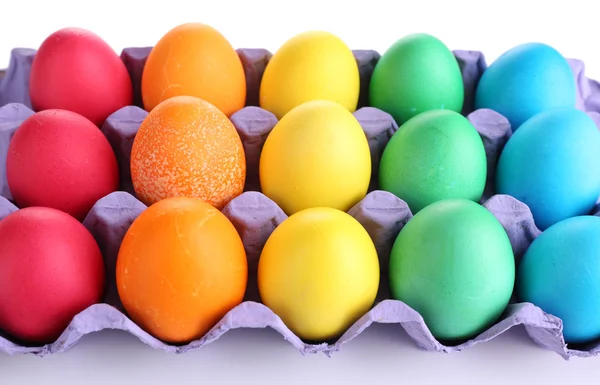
{"x": 187, "y": 147}
{"x": 194, "y": 59}
{"x": 181, "y": 267}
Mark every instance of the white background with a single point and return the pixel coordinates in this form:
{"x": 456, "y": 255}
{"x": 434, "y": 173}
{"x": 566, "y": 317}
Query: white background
{"x": 383, "y": 354}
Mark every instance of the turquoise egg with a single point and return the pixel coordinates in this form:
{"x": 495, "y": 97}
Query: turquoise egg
{"x": 435, "y": 155}
{"x": 417, "y": 73}
{"x": 552, "y": 164}
{"x": 526, "y": 80}
{"x": 560, "y": 273}
{"x": 453, "y": 263}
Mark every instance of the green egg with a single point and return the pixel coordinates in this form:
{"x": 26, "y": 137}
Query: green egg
{"x": 453, "y": 263}
{"x": 418, "y": 73}
{"x": 435, "y": 155}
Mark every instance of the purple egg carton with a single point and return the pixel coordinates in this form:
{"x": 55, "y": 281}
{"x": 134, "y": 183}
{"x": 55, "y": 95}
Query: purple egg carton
{"x": 255, "y": 216}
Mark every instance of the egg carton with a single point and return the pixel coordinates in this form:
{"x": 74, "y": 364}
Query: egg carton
{"x": 255, "y": 216}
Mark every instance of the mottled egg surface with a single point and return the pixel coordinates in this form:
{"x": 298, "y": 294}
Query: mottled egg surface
{"x": 187, "y": 147}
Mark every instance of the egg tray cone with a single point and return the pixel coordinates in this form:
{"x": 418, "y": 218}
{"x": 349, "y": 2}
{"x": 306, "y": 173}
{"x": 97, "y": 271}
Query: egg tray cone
{"x": 255, "y": 216}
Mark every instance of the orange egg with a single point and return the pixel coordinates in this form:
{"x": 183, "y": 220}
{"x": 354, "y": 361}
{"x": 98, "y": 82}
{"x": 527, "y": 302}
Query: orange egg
{"x": 196, "y": 60}
{"x": 181, "y": 267}
{"x": 187, "y": 147}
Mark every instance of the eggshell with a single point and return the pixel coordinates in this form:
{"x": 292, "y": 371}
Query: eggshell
{"x": 76, "y": 70}
{"x": 314, "y": 65}
{"x": 526, "y": 80}
{"x": 552, "y": 164}
{"x": 196, "y": 60}
{"x": 187, "y": 147}
{"x": 180, "y": 269}
{"x": 50, "y": 270}
{"x": 317, "y": 155}
{"x": 60, "y": 159}
{"x": 453, "y": 263}
{"x": 560, "y": 273}
{"x": 319, "y": 272}
{"x": 418, "y": 73}
{"x": 435, "y": 155}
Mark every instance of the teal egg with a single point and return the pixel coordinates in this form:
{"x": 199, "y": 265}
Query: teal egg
{"x": 560, "y": 273}
{"x": 434, "y": 156}
{"x": 552, "y": 164}
{"x": 526, "y": 80}
{"x": 418, "y": 73}
{"x": 453, "y": 263}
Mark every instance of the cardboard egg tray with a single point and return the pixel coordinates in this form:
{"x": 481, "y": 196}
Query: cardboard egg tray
{"x": 255, "y": 216}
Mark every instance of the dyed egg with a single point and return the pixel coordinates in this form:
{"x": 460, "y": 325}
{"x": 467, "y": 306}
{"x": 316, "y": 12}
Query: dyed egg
{"x": 313, "y": 65}
{"x": 319, "y": 272}
{"x": 434, "y": 156}
{"x": 526, "y": 80}
{"x": 453, "y": 263}
{"x": 181, "y": 267}
{"x": 416, "y": 74}
{"x": 317, "y": 155}
{"x": 187, "y": 147}
{"x": 552, "y": 164}
{"x": 60, "y": 159}
{"x": 560, "y": 273}
{"x": 51, "y": 269}
{"x": 195, "y": 60}
{"x": 76, "y": 70}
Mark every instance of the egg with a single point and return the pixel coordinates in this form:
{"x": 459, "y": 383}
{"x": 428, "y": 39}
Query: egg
{"x": 436, "y": 155}
{"x": 75, "y": 70}
{"x": 60, "y": 159}
{"x": 319, "y": 272}
{"x": 526, "y": 80}
{"x": 187, "y": 147}
{"x": 314, "y": 65}
{"x": 552, "y": 164}
{"x": 316, "y": 155}
{"x": 51, "y": 269}
{"x": 560, "y": 273}
{"x": 417, "y": 73}
{"x": 453, "y": 263}
{"x": 194, "y": 59}
{"x": 181, "y": 267}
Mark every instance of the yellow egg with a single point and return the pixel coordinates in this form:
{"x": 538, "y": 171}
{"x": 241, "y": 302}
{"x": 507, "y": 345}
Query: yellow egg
{"x": 310, "y": 66}
{"x": 316, "y": 156}
{"x": 319, "y": 272}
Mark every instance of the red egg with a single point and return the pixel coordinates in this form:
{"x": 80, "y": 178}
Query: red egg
{"x": 51, "y": 269}
{"x": 60, "y": 159}
{"x": 76, "y": 70}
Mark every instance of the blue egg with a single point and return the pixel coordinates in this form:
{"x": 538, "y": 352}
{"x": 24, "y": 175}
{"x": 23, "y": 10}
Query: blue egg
{"x": 560, "y": 273}
{"x": 552, "y": 164}
{"x": 526, "y": 80}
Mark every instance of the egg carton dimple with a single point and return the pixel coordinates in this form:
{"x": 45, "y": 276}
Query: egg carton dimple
{"x": 255, "y": 216}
